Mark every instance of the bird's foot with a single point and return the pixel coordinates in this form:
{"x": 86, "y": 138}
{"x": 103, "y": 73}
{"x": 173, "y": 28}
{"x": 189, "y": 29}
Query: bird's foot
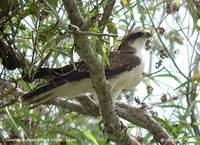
{"x": 144, "y": 106}
{"x": 101, "y": 127}
{"x": 123, "y": 127}
{"x": 110, "y": 128}
{"x": 137, "y": 100}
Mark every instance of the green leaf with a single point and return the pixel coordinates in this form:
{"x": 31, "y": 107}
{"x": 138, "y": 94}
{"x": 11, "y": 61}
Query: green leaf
{"x": 90, "y": 137}
{"x": 193, "y": 12}
{"x": 94, "y": 29}
{"x": 165, "y": 123}
{"x": 124, "y": 3}
{"x": 177, "y": 3}
{"x": 169, "y": 75}
{"x": 111, "y": 27}
{"x": 173, "y": 106}
{"x": 53, "y": 2}
{"x": 32, "y": 9}
{"x": 104, "y": 55}
{"x": 182, "y": 85}
{"x": 12, "y": 121}
{"x": 141, "y": 11}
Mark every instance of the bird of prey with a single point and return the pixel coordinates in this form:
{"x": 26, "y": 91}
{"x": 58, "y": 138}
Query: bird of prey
{"x": 123, "y": 73}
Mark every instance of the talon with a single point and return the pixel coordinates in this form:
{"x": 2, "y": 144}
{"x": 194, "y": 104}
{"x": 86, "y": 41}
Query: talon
{"x": 137, "y": 100}
{"x": 102, "y": 128}
{"x": 104, "y": 132}
{"x": 144, "y": 105}
{"x": 123, "y": 127}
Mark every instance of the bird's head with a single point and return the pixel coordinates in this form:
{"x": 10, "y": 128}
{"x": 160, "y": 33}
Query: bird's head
{"x": 135, "y": 40}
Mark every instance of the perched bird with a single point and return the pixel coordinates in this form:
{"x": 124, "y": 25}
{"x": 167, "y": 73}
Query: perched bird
{"x": 123, "y": 73}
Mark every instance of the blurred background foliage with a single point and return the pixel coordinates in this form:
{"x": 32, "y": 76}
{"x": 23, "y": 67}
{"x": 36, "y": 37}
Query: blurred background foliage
{"x": 32, "y": 29}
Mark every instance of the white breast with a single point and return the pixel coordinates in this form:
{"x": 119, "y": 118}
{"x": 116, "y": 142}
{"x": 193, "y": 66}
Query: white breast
{"x": 128, "y": 80}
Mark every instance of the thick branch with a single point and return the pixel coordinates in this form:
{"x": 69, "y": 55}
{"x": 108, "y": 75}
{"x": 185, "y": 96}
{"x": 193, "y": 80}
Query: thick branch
{"x": 101, "y": 86}
{"x": 141, "y": 118}
{"x": 73, "y": 106}
{"x": 74, "y": 13}
{"x": 11, "y": 59}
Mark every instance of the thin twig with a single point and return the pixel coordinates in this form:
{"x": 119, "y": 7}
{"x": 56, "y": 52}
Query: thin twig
{"x": 165, "y": 48}
{"x": 150, "y": 74}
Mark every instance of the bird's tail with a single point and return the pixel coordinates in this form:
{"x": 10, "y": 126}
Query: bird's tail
{"x": 38, "y": 96}
{"x": 42, "y": 94}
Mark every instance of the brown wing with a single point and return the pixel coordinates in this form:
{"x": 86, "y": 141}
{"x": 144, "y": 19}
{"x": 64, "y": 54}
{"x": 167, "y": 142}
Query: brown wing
{"x": 120, "y": 62}
{"x": 53, "y": 73}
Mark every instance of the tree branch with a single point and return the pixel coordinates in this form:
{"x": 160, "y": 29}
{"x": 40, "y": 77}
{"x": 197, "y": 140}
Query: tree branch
{"x": 11, "y": 59}
{"x": 106, "y": 14}
{"x": 100, "y": 84}
{"x": 73, "y": 106}
{"x": 141, "y": 118}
